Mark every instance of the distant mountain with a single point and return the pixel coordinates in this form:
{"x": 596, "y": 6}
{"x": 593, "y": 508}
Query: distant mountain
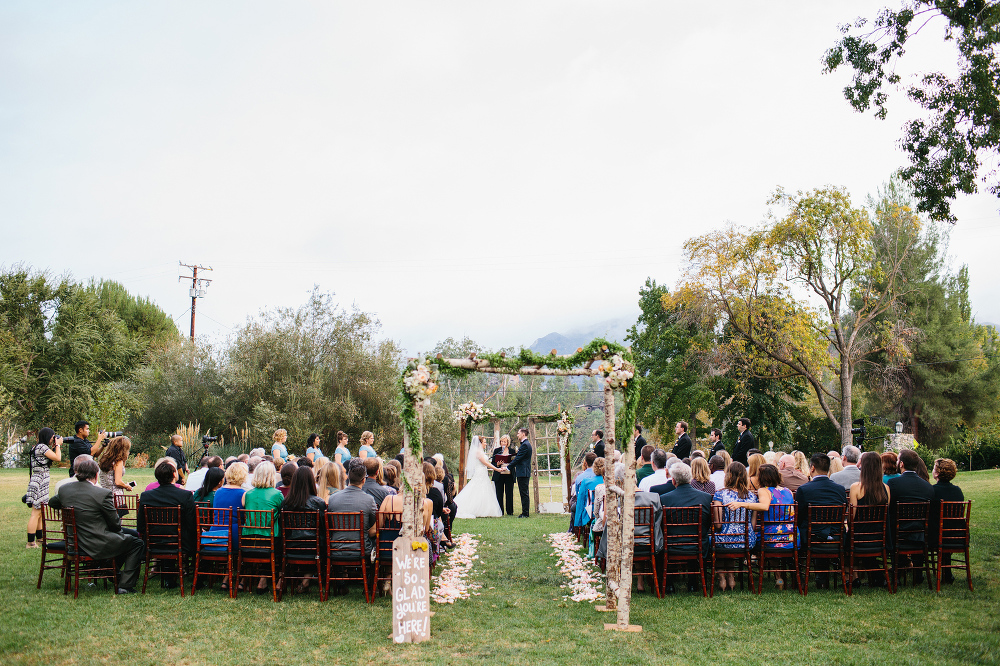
{"x": 567, "y": 343}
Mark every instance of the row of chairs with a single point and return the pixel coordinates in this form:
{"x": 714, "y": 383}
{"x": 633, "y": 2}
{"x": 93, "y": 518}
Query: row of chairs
{"x": 327, "y": 547}
{"x": 840, "y": 540}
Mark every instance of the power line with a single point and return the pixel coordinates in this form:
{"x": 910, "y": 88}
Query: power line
{"x": 196, "y": 290}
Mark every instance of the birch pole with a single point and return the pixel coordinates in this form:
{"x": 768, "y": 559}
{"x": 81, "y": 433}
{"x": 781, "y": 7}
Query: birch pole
{"x": 462, "y": 448}
{"x": 612, "y": 522}
{"x": 413, "y": 486}
{"x": 628, "y": 538}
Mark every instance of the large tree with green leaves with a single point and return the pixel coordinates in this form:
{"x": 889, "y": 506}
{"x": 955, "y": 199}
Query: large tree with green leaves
{"x": 957, "y": 142}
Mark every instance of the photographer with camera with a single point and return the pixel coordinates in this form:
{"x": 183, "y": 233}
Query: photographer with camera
{"x": 43, "y": 454}
{"x": 176, "y": 451}
{"x": 80, "y": 445}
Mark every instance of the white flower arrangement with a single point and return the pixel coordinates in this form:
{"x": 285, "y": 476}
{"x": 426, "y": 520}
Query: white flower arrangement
{"x": 478, "y": 413}
{"x": 617, "y": 371}
{"x": 421, "y": 382}
{"x": 564, "y": 425}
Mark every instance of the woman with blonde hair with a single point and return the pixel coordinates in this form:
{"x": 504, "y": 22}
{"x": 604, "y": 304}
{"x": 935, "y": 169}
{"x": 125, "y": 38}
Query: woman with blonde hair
{"x": 263, "y": 497}
{"x": 230, "y": 496}
{"x": 367, "y": 447}
{"x": 836, "y": 465}
{"x": 329, "y": 479}
{"x": 701, "y": 476}
{"x": 112, "y": 464}
{"x": 753, "y": 464}
{"x": 726, "y": 457}
{"x": 801, "y": 462}
{"x": 278, "y": 450}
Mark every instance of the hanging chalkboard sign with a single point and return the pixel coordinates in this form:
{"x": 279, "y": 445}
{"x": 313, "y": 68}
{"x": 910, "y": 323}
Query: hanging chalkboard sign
{"x": 411, "y": 613}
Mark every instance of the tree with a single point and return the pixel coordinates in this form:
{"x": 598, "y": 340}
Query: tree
{"x": 961, "y": 131}
{"x": 673, "y": 387}
{"x": 784, "y": 289}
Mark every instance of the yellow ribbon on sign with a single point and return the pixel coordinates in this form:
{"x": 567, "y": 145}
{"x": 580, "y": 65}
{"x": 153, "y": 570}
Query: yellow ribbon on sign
{"x": 418, "y": 545}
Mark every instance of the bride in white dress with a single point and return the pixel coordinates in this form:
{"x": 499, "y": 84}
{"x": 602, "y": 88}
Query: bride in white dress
{"x": 478, "y": 499}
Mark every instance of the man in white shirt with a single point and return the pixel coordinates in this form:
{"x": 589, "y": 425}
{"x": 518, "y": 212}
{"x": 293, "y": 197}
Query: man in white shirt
{"x": 718, "y": 477}
{"x": 659, "y": 475}
{"x": 197, "y": 477}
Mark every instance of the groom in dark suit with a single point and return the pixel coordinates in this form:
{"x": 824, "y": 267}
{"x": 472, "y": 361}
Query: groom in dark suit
{"x": 520, "y": 465}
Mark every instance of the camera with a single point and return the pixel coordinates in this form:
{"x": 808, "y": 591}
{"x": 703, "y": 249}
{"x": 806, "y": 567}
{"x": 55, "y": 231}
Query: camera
{"x": 206, "y": 440}
{"x": 859, "y": 431}
{"x": 112, "y": 435}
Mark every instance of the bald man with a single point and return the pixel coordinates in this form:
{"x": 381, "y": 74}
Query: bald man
{"x": 791, "y": 478}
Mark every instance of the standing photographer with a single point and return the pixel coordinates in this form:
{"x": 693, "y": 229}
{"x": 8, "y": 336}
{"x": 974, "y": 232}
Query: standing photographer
{"x": 47, "y": 450}
{"x": 79, "y": 445}
{"x": 176, "y": 451}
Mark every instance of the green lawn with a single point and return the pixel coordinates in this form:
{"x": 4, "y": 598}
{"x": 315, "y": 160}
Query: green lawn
{"x": 519, "y": 616}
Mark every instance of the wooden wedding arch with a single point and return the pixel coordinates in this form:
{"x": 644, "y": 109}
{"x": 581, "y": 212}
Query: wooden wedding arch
{"x": 614, "y": 363}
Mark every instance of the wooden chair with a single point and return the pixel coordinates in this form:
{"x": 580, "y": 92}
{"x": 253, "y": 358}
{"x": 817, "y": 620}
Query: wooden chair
{"x": 952, "y": 538}
{"x": 824, "y": 541}
{"x": 202, "y": 505}
{"x": 163, "y": 543}
{"x": 129, "y": 503}
{"x": 909, "y": 539}
{"x": 53, "y": 543}
{"x": 82, "y": 565}
{"x": 866, "y": 541}
{"x": 644, "y": 547}
{"x": 302, "y": 533}
{"x": 389, "y": 524}
{"x": 258, "y": 548}
{"x": 733, "y": 546}
{"x": 779, "y": 537}
{"x": 683, "y": 545}
{"x": 345, "y": 549}
{"x": 214, "y": 547}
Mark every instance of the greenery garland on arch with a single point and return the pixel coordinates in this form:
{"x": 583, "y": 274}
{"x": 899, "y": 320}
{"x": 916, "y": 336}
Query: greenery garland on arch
{"x": 418, "y": 382}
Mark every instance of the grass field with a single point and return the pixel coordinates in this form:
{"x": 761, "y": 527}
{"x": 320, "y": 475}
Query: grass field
{"x": 519, "y": 616}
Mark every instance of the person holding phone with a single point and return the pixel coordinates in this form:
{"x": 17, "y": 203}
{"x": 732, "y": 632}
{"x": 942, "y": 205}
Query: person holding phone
{"x": 43, "y": 454}
{"x": 112, "y": 468}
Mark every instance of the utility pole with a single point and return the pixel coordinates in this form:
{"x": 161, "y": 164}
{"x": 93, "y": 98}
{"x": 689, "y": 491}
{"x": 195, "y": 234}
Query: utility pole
{"x": 196, "y": 291}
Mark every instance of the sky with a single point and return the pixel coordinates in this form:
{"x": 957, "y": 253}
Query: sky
{"x": 497, "y": 170}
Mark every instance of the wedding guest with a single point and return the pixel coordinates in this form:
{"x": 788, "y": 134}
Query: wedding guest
{"x": 909, "y": 487}
{"x": 436, "y": 497}
{"x": 658, "y": 460}
{"x": 112, "y": 464}
{"x": 395, "y": 478}
{"x": 586, "y": 472}
{"x": 600, "y": 492}
{"x": 330, "y": 480}
{"x": 791, "y": 478}
{"x": 668, "y": 485}
{"x": 214, "y": 478}
{"x": 717, "y": 465}
{"x": 646, "y": 455}
{"x": 584, "y": 505}
{"x": 819, "y": 491}
{"x": 701, "y": 476}
{"x": 944, "y": 491}
{"x": 156, "y": 484}
{"x": 168, "y": 495}
{"x": 801, "y": 463}
{"x": 41, "y": 457}
{"x": 353, "y": 498}
{"x": 889, "y": 470}
{"x": 372, "y": 485}
{"x": 278, "y": 450}
{"x": 302, "y": 497}
{"x": 771, "y": 458}
{"x": 686, "y": 495}
{"x": 836, "y": 465}
{"x": 772, "y": 492}
{"x": 730, "y": 534}
{"x": 850, "y": 474}
{"x": 305, "y": 462}
{"x": 342, "y": 454}
{"x": 230, "y": 496}
{"x": 726, "y": 458}
{"x": 641, "y": 533}
{"x": 869, "y": 489}
{"x": 196, "y": 478}
{"x": 287, "y": 472}
{"x": 264, "y": 497}
{"x": 755, "y": 461}
{"x": 367, "y": 448}
{"x": 698, "y": 454}
{"x": 313, "y": 452}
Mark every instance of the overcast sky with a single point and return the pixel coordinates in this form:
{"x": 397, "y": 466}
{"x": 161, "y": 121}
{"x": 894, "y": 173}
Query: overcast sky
{"x": 500, "y": 170}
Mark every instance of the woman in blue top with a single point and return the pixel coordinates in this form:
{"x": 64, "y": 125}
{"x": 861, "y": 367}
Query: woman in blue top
{"x": 367, "y": 450}
{"x": 730, "y": 510}
{"x": 585, "y": 511}
{"x": 230, "y": 496}
{"x": 779, "y": 532}
{"x": 278, "y": 450}
{"x": 313, "y": 451}
{"x": 342, "y": 454}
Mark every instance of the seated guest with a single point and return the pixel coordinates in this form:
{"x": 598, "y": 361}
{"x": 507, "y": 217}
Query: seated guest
{"x": 658, "y": 459}
{"x": 154, "y": 483}
{"x": 685, "y": 495}
{"x": 600, "y": 491}
{"x": 641, "y": 533}
{"x": 905, "y": 488}
{"x": 717, "y": 465}
{"x": 390, "y": 475}
{"x": 197, "y": 478}
{"x": 99, "y": 530}
{"x": 668, "y": 485}
{"x": 850, "y": 474}
{"x": 168, "y": 495}
{"x": 437, "y": 498}
{"x": 646, "y": 455}
{"x": 372, "y": 485}
{"x": 584, "y": 505}
{"x": 730, "y": 534}
{"x": 771, "y": 458}
{"x": 329, "y": 479}
{"x": 944, "y": 491}
{"x": 354, "y": 498}
{"x": 287, "y": 473}
{"x": 450, "y": 507}
{"x": 213, "y": 480}
{"x": 264, "y": 497}
{"x": 574, "y": 494}
{"x": 801, "y": 463}
{"x": 398, "y": 467}
{"x": 230, "y": 496}
{"x": 770, "y": 494}
{"x": 869, "y": 489}
{"x": 791, "y": 477}
{"x": 697, "y": 454}
{"x": 701, "y": 476}
{"x": 302, "y": 497}
{"x": 304, "y": 461}
{"x": 820, "y": 491}
{"x": 836, "y": 465}
{"x": 754, "y": 461}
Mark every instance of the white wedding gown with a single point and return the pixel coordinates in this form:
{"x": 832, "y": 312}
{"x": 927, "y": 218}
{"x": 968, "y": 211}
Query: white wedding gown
{"x": 478, "y": 499}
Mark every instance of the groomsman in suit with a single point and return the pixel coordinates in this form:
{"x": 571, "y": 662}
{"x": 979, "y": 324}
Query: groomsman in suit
{"x": 597, "y": 439}
{"x": 520, "y": 466}
{"x": 640, "y": 441}
{"x": 715, "y": 439}
{"x": 745, "y": 442}
{"x": 682, "y": 447}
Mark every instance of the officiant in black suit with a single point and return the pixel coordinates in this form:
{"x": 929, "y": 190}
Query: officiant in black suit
{"x": 520, "y": 467}
{"x": 504, "y": 483}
